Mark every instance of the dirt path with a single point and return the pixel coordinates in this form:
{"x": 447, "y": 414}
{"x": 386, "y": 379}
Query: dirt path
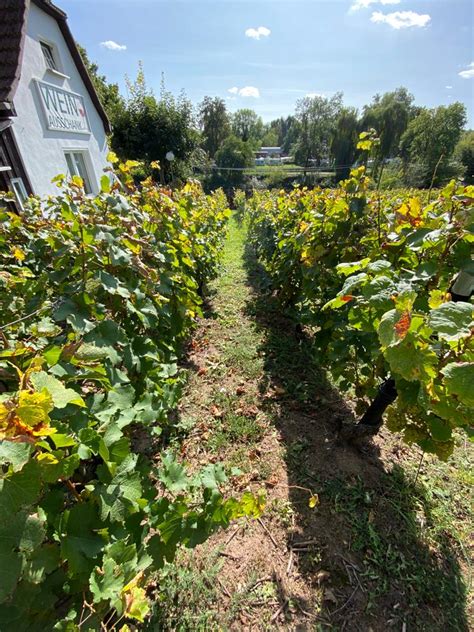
{"x": 376, "y": 553}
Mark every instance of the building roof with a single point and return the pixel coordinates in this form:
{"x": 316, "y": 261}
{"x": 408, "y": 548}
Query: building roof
{"x": 14, "y": 15}
{"x": 12, "y": 33}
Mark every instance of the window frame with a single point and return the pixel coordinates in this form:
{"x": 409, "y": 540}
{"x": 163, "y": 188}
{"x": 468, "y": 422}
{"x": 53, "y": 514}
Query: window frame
{"x": 89, "y": 182}
{"x": 58, "y": 69}
{"x": 18, "y": 188}
{"x": 51, "y": 49}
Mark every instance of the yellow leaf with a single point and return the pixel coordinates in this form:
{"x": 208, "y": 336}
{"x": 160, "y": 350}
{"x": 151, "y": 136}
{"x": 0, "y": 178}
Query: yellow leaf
{"x": 130, "y": 164}
{"x": 47, "y": 459}
{"x": 313, "y": 501}
{"x": 18, "y": 254}
{"x": 135, "y": 248}
{"x": 77, "y": 181}
{"x": 112, "y": 157}
{"x": 365, "y": 145}
{"x": 34, "y": 408}
{"x": 136, "y": 604}
{"x": 437, "y": 298}
{"x": 155, "y": 164}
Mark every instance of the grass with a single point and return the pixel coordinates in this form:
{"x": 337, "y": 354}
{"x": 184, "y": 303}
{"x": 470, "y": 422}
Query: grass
{"x": 387, "y": 544}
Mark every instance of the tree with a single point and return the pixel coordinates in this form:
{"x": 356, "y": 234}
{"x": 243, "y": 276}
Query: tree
{"x": 389, "y": 115}
{"x": 344, "y": 142}
{"x": 464, "y": 153}
{"x": 270, "y": 137}
{"x": 149, "y": 129}
{"x": 108, "y": 93}
{"x": 317, "y": 117}
{"x": 428, "y": 144}
{"x": 248, "y": 126}
{"x": 215, "y": 123}
{"x": 289, "y": 133}
{"x": 234, "y": 154}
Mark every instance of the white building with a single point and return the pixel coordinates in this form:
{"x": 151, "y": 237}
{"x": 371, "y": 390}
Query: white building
{"x": 51, "y": 119}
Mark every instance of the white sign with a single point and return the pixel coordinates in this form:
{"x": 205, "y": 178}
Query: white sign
{"x": 64, "y": 111}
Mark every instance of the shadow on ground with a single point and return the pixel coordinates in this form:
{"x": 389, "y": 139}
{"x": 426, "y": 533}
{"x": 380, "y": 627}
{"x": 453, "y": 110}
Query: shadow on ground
{"x": 373, "y": 548}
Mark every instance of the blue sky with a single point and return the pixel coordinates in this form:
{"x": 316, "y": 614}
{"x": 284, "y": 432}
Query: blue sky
{"x": 270, "y": 53}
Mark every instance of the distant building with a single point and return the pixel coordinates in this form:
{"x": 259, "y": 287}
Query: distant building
{"x": 268, "y": 156}
{"x": 51, "y": 119}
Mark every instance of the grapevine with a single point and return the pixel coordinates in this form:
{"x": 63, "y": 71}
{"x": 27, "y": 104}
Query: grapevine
{"x": 371, "y": 273}
{"x": 96, "y": 298}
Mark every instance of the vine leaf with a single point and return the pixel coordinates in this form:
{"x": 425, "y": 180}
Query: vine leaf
{"x": 61, "y": 395}
{"x": 452, "y": 321}
{"x": 459, "y": 381}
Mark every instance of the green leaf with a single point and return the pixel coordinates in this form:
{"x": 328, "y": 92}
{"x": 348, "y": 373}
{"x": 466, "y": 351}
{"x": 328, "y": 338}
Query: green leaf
{"x": 440, "y": 429}
{"x": 387, "y": 334}
{"x": 173, "y": 475}
{"x": 105, "y": 184}
{"x": 213, "y": 475}
{"x": 107, "y": 582}
{"x": 10, "y": 569}
{"x": 16, "y": 454}
{"x": 349, "y": 268}
{"x": 459, "y": 381}
{"x": 80, "y": 540}
{"x": 61, "y": 395}
{"x": 452, "y": 321}
{"x": 52, "y": 355}
{"x": 411, "y": 362}
{"x": 20, "y": 489}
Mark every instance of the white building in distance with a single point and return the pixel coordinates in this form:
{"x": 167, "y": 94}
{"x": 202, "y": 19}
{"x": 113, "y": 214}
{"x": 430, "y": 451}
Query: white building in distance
{"x": 51, "y": 119}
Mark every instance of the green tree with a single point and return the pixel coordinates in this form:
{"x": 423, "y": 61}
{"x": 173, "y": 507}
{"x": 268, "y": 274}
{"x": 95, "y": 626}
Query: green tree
{"x": 428, "y": 144}
{"x": 317, "y": 117}
{"x": 289, "y": 133}
{"x": 108, "y": 93}
{"x": 270, "y": 137}
{"x": 152, "y": 129}
{"x": 215, "y": 123}
{"x": 389, "y": 115}
{"x": 248, "y": 126}
{"x": 234, "y": 154}
{"x": 464, "y": 153}
{"x": 344, "y": 142}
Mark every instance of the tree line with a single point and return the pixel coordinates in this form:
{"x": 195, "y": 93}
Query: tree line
{"x": 417, "y": 146}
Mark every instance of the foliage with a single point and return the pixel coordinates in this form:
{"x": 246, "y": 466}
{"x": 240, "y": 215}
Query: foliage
{"x": 429, "y": 141}
{"x": 389, "y": 115}
{"x": 344, "y": 142}
{"x": 248, "y": 126}
{"x": 464, "y": 153}
{"x": 97, "y": 296}
{"x": 108, "y": 93}
{"x": 234, "y": 154}
{"x": 371, "y": 273}
{"x": 317, "y": 117}
{"x": 149, "y": 128}
{"x": 215, "y": 123}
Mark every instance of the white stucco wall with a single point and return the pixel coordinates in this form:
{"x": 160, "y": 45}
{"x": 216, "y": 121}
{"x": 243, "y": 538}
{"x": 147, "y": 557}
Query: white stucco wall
{"x": 42, "y": 151}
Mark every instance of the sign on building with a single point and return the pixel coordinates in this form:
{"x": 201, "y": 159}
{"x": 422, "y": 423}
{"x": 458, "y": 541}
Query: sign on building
{"x": 64, "y": 111}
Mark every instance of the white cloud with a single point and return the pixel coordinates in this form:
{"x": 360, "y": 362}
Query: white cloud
{"x": 401, "y": 19}
{"x": 111, "y": 45}
{"x": 449, "y": 87}
{"x": 249, "y": 91}
{"x": 246, "y": 91}
{"x": 364, "y": 4}
{"x": 469, "y": 72}
{"x": 258, "y": 33}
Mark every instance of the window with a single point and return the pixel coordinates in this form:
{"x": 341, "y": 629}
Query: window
{"x": 49, "y": 57}
{"x": 19, "y": 190}
{"x": 77, "y": 167}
